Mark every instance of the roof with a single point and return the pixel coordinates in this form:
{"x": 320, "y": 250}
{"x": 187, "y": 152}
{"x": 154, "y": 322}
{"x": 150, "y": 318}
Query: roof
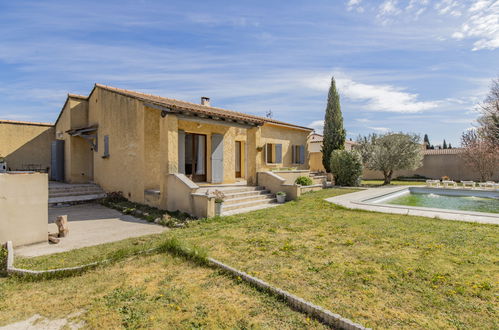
{"x": 317, "y": 138}
{"x": 16, "y": 122}
{"x": 198, "y": 108}
{"x": 452, "y": 151}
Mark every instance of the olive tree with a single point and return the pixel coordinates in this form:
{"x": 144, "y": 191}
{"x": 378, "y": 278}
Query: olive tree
{"x": 391, "y": 152}
{"x": 480, "y": 154}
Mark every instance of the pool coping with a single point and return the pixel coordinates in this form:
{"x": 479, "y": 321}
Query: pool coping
{"x": 357, "y": 200}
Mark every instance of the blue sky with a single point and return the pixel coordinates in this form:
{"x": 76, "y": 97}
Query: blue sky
{"x": 416, "y": 66}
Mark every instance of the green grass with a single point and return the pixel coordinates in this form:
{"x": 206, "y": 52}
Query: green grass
{"x": 377, "y": 183}
{"x": 380, "y": 270}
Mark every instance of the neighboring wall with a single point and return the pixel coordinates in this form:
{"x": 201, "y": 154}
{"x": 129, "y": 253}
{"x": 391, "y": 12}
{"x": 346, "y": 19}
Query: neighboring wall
{"x": 23, "y": 208}
{"x": 26, "y": 145}
{"x": 437, "y": 165}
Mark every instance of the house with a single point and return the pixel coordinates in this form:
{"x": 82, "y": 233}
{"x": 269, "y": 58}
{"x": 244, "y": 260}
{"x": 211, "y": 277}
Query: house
{"x": 315, "y": 151}
{"x": 162, "y": 151}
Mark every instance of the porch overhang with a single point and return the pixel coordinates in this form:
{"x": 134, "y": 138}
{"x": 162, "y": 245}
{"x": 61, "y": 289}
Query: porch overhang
{"x": 88, "y": 133}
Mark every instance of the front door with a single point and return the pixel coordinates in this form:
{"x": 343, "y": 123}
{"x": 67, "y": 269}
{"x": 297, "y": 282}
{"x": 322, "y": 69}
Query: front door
{"x": 195, "y": 157}
{"x": 238, "y": 159}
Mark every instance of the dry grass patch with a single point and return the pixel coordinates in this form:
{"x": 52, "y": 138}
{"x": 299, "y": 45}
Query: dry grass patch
{"x": 157, "y": 291}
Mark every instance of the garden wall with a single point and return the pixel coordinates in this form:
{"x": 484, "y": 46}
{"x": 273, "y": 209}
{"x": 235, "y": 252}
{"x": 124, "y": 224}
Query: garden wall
{"x": 23, "y": 207}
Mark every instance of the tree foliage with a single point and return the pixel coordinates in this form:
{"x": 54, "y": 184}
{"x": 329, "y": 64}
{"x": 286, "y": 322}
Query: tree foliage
{"x": 481, "y": 145}
{"x": 390, "y": 152}
{"x": 334, "y": 133}
{"x": 479, "y": 154}
{"x": 346, "y": 167}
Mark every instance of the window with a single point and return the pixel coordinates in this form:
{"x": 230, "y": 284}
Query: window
{"x": 273, "y": 153}
{"x": 298, "y": 154}
{"x": 106, "y": 146}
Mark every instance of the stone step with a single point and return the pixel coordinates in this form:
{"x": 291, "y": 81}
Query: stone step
{"x": 263, "y": 197}
{"x": 76, "y": 193}
{"x": 246, "y": 193}
{"x": 72, "y": 199}
{"x": 242, "y": 205}
{"x": 232, "y": 190}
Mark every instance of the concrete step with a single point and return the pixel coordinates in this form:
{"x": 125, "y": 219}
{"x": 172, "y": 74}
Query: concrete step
{"x": 241, "y": 205}
{"x": 246, "y": 193}
{"x": 251, "y": 198}
{"x": 233, "y": 190}
{"x": 72, "y": 199}
{"x": 76, "y": 193}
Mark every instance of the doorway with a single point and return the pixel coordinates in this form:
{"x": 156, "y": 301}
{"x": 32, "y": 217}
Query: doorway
{"x": 195, "y": 157}
{"x": 238, "y": 161}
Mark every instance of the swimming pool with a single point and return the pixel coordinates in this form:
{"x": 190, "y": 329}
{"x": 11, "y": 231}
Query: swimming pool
{"x": 450, "y": 199}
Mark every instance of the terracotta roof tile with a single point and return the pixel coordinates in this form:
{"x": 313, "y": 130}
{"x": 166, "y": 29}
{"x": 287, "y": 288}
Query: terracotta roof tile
{"x": 198, "y": 108}
{"x": 452, "y": 151}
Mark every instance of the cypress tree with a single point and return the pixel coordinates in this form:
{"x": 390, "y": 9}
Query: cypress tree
{"x": 444, "y": 145}
{"x": 334, "y": 133}
{"x": 427, "y": 141}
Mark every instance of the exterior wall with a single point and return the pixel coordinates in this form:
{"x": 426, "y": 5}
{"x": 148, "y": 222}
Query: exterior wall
{"x": 122, "y": 119}
{"x": 78, "y": 167}
{"x": 287, "y": 137}
{"x": 23, "y": 144}
{"x": 24, "y": 208}
{"x": 231, "y": 135}
{"x": 435, "y": 167}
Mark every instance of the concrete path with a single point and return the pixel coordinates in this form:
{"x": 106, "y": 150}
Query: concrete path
{"x": 356, "y": 201}
{"x": 90, "y": 224}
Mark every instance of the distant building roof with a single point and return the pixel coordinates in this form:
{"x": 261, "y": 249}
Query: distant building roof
{"x": 317, "y": 138}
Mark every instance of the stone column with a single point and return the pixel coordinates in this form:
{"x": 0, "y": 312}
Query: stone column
{"x": 254, "y": 156}
{"x": 168, "y": 153}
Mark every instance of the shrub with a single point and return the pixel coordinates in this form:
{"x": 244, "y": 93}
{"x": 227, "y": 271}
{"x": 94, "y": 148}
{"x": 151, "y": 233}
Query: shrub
{"x": 304, "y": 181}
{"x": 346, "y": 167}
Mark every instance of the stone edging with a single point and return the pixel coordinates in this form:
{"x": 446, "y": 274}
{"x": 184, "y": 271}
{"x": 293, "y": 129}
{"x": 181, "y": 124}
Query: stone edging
{"x": 297, "y": 303}
{"x": 325, "y": 316}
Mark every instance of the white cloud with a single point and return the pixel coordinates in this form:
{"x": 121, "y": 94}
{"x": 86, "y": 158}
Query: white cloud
{"x": 482, "y": 24}
{"x": 386, "y": 98}
{"x": 380, "y": 129}
{"x": 355, "y": 4}
{"x": 317, "y": 125}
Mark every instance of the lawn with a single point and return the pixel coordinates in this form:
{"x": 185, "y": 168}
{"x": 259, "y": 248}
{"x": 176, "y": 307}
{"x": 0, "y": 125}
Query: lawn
{"x": 155, "y": 291}
{"x": 380, "y": 270}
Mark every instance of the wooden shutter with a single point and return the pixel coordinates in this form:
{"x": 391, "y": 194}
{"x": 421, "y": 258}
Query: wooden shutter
{"x": 278, "y": 153}
{"x": 302, "y": 154}
{"x": 217, "y": 158}
{"x": 181, "y": 151}
{"x": 106, "y": 146}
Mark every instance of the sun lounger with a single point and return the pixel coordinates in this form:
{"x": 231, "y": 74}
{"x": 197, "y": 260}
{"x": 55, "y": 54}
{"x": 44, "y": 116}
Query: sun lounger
{"x": 447, "y": 183}
{"x": 488, "y": 184}
{"x": 468, "y": 184}
{"x": 433, "y": 183}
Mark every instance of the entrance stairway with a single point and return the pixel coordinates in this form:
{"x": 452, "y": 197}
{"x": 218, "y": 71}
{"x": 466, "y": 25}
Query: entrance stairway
{"x": 243, "y": 198}
{"x": 70, "y": 193}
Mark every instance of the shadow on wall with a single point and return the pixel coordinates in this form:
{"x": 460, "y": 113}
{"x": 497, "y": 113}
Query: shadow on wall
{"x": 33, "y": 155}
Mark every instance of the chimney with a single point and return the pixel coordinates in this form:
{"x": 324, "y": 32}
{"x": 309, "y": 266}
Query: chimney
{"x": 205, "y": 101}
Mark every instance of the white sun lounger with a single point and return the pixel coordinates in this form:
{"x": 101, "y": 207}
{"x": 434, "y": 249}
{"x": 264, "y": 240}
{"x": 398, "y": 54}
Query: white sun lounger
{"x": 433, "y": 183}
{"x": 448, "y": 183}
{"x": 488, "y": 184}
{"x": 468, "y": 184}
